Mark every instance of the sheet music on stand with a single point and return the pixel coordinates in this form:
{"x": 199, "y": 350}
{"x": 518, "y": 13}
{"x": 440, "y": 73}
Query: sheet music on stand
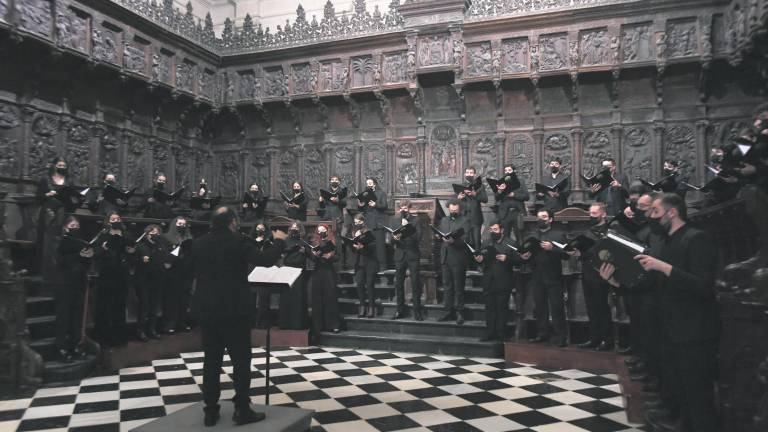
{"x": 275, "y": 275}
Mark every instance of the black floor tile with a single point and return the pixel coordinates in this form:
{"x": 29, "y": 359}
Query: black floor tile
{"x": 99, "y": 388}
{"x": 411, "y": 406}
{"x": 597, "y": 381}
{"x": 307, "y": 395}
{"x": 531, "y": 418}
{"x": 429, "y": 392}
{"x": 109, "y": 427}
{"x": 356, "y": 401}
{"x": 182, "y": 398}
{"x": 597, "y": 407}
{"x": 454, "y": 427}
{"x": 542, "y": 389}
{"x": 170, "y": 382}
{"x": 469, "y": 412}
{"x": 597, "y": 393}
{"x": 329, "y": 383}
{"x": 490, "y": 385}
{"x": 53, "y": 400}
{"x": 392, "y": 423}
{"x": 170, "y": 367}
{"x": 537, "y": 402}
{"x": 286, "y": 379}
{"x": 146, "y": 392}
{"x": 441, "y": 381}
{"x": 599, "y": 424}
{"x": 142, "y": 413}
{"x": 91, "y": 407}
{"x": 378, "y": 387}
{"x": 43, "y": 423}
{"x": 137, "y": 377}
{"x": 11, "y": 414}
{"x": 481, "y": 397}
{"x": 335, "y": 416}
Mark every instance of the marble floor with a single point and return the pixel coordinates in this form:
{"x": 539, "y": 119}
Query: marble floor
{"x": 350, "y": 390}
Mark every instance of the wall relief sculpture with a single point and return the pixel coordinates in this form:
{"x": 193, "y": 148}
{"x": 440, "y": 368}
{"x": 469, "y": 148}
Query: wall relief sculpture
{"x": 161, "y": 67}
{"x": 104, "y": 45}
{"x": 682, "y": 38}
{"x": 515, "y": 55}
{"x": 553, "y": 52}
{"x": 260, "y": 170}
{"x": 407, "y": 180}
{"x": 288, "y": 171}
{"x": 595, "y": 147}
{"x": 558, "y": 145}
{"x": 45, "y": 125}
{"x": 484, "y": 156}
{"x": 638, "y": 154}
{"x": 595, "y": 47}
{"x": 160, "y": 157}
{"x": 182, "y": 167}
{"x": 137, "y": 162}
{"x": 375, "y": 163}
{"x": 519, "y": 151}
{"x": 443, "y": 157}
{"x": 108, "y": 152}
{"x": 479, "y": 59}
{"x": 205, "y": 84}
{"x": 246, "y": 85}
{"x": 435, "y": 51}
{"x": 9, "y": 117}
{"x": 274, "y": 83}
{"x": 344, "y": 161}
{"x": 395, "y": 68}
{"x": 185, "y": 76}
{"x": 314, "y": 173}
{"x": 8, "y": 157}
{"x": 134, "y": 58}
{"x": 78, "y": 160}
{"x": 680, "y": 145}
{"x": 363, "y": 69}
{"x": 304, "y": 79}
{"x": 636, "y": 42}
{"x": 71, "y": 30}
{"x": 36, "y": 16}
{"x": 229, "y": 174}
{"x": 332, "y": 76}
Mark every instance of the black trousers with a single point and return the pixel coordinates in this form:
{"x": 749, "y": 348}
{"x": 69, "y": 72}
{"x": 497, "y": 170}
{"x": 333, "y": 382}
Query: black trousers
{"x": 325, "y": 300}
{"x": 381, "y": 247}
{"x": 293, "y": 306}
{"x": 641, "y": 322}
{"x": 149, "y": 292}
{"x": 548, "y": 299}
{"x": 234, "y": 334}
{"x": 365, "y": 278}
{"x": 400, "y": 268}
{"x": 454, "y": 280}
{"x": 179, "y": 292}
{"x": 473, "y": 237}
{"x": 692, "y": 370}
{"x": 69, "y": 311}
{"x": 109, "y": 316}
{"x": 596, "y": 294}
{"x": 497, "y": 314}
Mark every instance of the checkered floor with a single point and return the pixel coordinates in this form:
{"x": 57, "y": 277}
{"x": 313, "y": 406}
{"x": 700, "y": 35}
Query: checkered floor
{"x": 350, "y": 390}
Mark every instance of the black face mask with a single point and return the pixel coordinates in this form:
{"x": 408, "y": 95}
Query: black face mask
{"x": 554, "y": 169}
{"x": 403, "y": 214}
{"x": 254, "y": 192}
{"x": 469, "y": 178}
{"x": 160, "y": 186}
{"x": 116, "y": 226}
{"x": 370, "y": 188}
{"x": 294, "y": 233}
{"x": 109, "y": 182}
{"x": 542, "y": 224}
{"x": 495, "y": 236}
{"x": 595, "y": 220}
{"x": 640, "y": 217}
{"x": 73, "y": 231}
{"x": 633, "y": 205}
{"x": 334, "y": 184}
{"x": 716, "y": 159}
{"x": 181, "y": 229}
{"x": 296, "y": 191}
{"x": 668, "y": 172}
{"x": 62, "y": 171}
{"x": 260, "y": 232}
{"x": 359, "y": 224}
{"x": 454, "y": 215}
{"x": 323, "y": 234}
{"x": 657, "y": 227}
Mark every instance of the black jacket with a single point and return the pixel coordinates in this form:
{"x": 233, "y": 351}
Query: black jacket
{"x": 221, "y": 260}
{"x": 295, "y": 255}
{"x": 156, "y": 209}
{"x": 561, "y": 202}
{"x": 301, "y": 212}
{"x": 375, "y": 216}
{"x": 456, "y": 253}
{"x": 69, "y": 260}
{"x": 497, "y": 275}
{"x": 509, "y": 208}
{"x": 471, "y": 207}
{"x": 330, "y": 211}
{"x": 547, "y": 266}
{"x": 614, "y": 198}
{"x": 407, "y": 249}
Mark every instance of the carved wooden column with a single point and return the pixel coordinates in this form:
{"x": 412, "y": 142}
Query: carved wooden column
{"x": 538, "y": 154}
{"x": 272, "y": 152}
{"x": 390, "y": 168}
{"x": 500, "y": 139}
{"x": 359, "y": 165}
{"x": 25, "y": 138}
{"x": 465, "y": 162}
{"x": 658, "y": 146}
{"x": 702, "y": 155}
{"x": 576, "y": 134}
{"x": 328, "y": 155}
{"x": 617, "y": 133}
{"x": 421, "y": 142}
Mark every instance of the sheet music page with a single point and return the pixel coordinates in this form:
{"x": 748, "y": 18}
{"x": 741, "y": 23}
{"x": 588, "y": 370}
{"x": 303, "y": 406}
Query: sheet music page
{"x": 275, "y": 275}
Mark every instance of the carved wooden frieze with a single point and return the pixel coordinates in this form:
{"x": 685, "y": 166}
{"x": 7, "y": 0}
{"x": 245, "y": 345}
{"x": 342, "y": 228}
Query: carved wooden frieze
{"x": 595, "y": 146}
{"x": 363, "y": 71}
{"x": 375, "y": 163}
{"x": 314, "y": 172}
{"x": 594, "y": 47}
{"x": 205, "y": 84}
{"x": 135, "y": 56}
{"x": 515, "y": 55}
{"x": 479, "y": 59}
{"x": 259, "y": 171}
{"x": 36, "y": 16}
{"x": 183, "y": 159}
{"x": 138, "y": 162}
{"x": 484, "y": 156}
{"x": 332, "y": 76}
{"x": 78, "y": 152}
{"x": 229, "y": 174}
{"x": 519, "y": 151}
{"x": 559, "y": 145}
{"x": 637, "y": 42}
{"x": 638, "y": 153}
{"x": 9, "y": 163}
{"x": 246, "y": 85}
{"x": 42, "y": 149}
{"x": 344, "y": 164}
{"x": 719, "y": 40}
{"x": 553, "y": 52}
{"x": 680, "y": 145}
{"x": 443, "y": 160}
{"x": 395, "y": 68}
{"x": 435, "y": 50}
{"x": 682, "y": 38}
{"x": 161, "y": 66}
{"x": 104, "y": 43}
{"x": 72, "y": 30}
{"x": 186, "y": 73}
{"x": 160, "y": 157}
{"x": 9, "y": 117}
{"x": 288, "y": 170}
{"x": 304, "y": 79}
{"x": 407, "y": 172}
{"x": 274, "y": 83}
{"x": 108, "y": 151}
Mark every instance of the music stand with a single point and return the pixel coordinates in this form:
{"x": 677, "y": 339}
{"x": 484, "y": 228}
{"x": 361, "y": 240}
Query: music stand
{"x": 278, "y": 278}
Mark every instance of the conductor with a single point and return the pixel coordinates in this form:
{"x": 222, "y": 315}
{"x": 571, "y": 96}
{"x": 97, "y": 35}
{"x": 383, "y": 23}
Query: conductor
{"x": 224, "y": 306}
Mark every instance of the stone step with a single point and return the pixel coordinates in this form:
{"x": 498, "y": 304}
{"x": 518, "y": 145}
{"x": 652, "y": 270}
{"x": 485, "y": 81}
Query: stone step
{"x": 410, "y": 327}
{"x": 427, "y": 344}
{"x": 40, "y": 306}
{"x": 75, "y": 370}
{"x": 41, "y": 327}
{"x": 387, "y": 308}
{"x": 46, "y": 347}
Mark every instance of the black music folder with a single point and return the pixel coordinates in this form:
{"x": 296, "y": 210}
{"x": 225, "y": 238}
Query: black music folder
{"x": 474, "y": 186}
{"x": 201, "y": 203}
{"x": 603, "y": 178}
{"x": 404, "y": 231}
{"x": 365, "y": 238}
{"x": 620, "y": 251}
{"x": 510, "y": 180}
{"x": 544, "y": 189}
{"x": 327, "y": 195}
{"x": 453, "y": 234}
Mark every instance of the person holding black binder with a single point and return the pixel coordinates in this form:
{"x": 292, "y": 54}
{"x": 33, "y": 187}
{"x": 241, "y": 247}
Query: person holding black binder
{"x": 406, "y": 236}
{"x": 471, "y": 197}
{"x": 293, "y": 302}
{"x": 179, "y": 237}
{"x": 202, "y": 203}
{"x": 684, "y": 270}
{"x": 74, "y": 258}
{"x": 110, "y": 198}
{"x": 325, "y": 292}
{"x": 263, "y": 241}
{"x": 498, "y": 257}
{"x": 546, "y": 283}
{"x": 333, "y": 202}
{"x": 154, "y": 275}
{"x": 158, "y": 205}
{"x": 254, "y": 204}
{"x": 366, "y": 267}
{"x": 613, "y": 195}
{"x": 373, "y": 204}
{"x": 223, "y": 305}
{"x": 296, "y": 204}
{"x": 511, "y": 202}
{"x": 453, "y": 260}
{"x": 557, "y": 199}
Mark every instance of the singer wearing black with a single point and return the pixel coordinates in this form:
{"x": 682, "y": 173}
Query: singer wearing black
{"x": 297, "y": 209}
{"x": 498, "y": 281}
{"x": 547, "y": 281}
{"x": 153, "y": 275}
{"x": 204, "y": 212}
{"x": 325, "y": 292}
{"x": 263, "y": 241}
{"x": 684, "y": 273}
{"x": 615, "y": 195}
{"x": 511, "y": 204}
{"x": 223, "y": 304}
{"x": 293, "y": 301}
{"x": 407, "y": 256}
{"x": 471, "y": 207}
{"x": 375, "y": 212}
{"x": 555, "y": 201}
{"x": 74, "y": 259}
{"x": 453, "y": 260}
{"x": 334, "y": 210}
{"x": 99, "y": 204}
{"x": 51, "y": 216}
{"x": 252, "y": 211}
{"x": 153, "y": 208}
{"x": 180, "y": 275}
{"x": 366, "y": 268}
{"x": 596, "y": 290}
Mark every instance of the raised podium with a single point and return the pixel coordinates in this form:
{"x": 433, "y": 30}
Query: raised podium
{"x": 189, "y": 419}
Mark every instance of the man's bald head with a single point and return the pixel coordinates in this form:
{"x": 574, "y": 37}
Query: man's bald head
{"x": 223, "y": 217}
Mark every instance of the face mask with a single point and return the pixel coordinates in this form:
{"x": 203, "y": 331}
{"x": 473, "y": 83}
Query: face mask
{"x": 369, "y": 187}
{"x": 73, "y": 231}
{"x": 640, "y": 217}
{"x": 554, "y": 169}
{"x": 296, "y": 190}
{"x": 595, "y": 220}
{"x": 359, "y": 224}
{"x": 495, "y": 236}
{"x": 454, "y": 215}
{"x": 403, "y": 213}
{"x": 116, "y": 225}
{"x": 323, "y": 234}
{"x": 542, "y": 224}
{"x": 253, "y": 191}
{"x": 469, "y": 178}
{"x": 335, "y": 184}
{"x": 294, "y": 233}
{"x": 181, "y": 229}
{"x": 657, "y": 226}
{"x": 110, "y": 182}
{"x": 160, "y": 185}
{"x": 633, "y": 205}
{"x": 259, "y": 232}
{"x": 668, "y": 172}
{"x": 62, "y": 171}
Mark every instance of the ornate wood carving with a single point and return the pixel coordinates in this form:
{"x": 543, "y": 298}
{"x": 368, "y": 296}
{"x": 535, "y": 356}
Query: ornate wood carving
{"x": 519, "y": 151}
{"x": 228, "y": 174}
{"x": 479, "y": 59}
{"x": 595, "y": 47}
{"x": 558, "y": 145}
{"x": 553, "y": 54}
{"x": 680, "y": 145}
{"x": 595, "y": 146}
{"x": 637, "y": 152}
{"x": 515, "y": 55}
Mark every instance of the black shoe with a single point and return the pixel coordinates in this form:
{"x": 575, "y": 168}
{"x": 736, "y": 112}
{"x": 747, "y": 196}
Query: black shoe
{"x": 212, "y": 416}
{"x": 417, "y": 315}
{"x": 360, "y": 311}
{"x": 460, "y": 318}
{"x": 398, "y": 315}
{"x": 626, "y": 351}
{"x": 537, "y": 339}
{"x": 604, "y": 346}
{"x": 371, "y": 312}
{"x": 450, "y": 316}
{"x": 79, "y": 353}
{"x": 588, "y": 345}
{"x": 246, "y": 416}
